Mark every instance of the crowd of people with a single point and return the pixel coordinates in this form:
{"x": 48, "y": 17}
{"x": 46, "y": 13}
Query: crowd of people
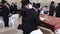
{"x": 29, "y": 12}
{"x": 6, "y": 10}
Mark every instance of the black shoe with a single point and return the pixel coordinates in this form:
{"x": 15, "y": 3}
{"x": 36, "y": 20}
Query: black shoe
{"x": 6, "y": 26}
{"x": 19, "y": 27}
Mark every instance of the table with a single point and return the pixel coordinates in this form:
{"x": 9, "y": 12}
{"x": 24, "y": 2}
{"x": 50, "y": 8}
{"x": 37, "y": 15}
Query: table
{"x": 52, "y": 23}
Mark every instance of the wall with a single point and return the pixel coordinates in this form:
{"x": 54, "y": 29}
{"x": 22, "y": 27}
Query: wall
{"x": 43, "y": 2}
{"x": 13, "y": 1}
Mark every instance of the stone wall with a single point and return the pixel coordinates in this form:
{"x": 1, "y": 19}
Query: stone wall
{"x": 36, "y": 1}
{"x": 43, "y": 2}
{"x": 13, "y": 1}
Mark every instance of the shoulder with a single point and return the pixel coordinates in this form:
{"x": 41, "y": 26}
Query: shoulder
{"x": 31, "y": 9}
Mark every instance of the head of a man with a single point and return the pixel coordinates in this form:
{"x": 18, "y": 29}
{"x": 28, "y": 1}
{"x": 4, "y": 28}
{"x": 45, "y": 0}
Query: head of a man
{"x": 5, "y": 3}
{"x": 58, "y": 4}
{"x": 37, "y": 5}
{"x": 25, "y": 3}
{"x": 52, "y": 3}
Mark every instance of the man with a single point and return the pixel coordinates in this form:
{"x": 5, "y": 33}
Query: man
{"x": 24, "y": 9}
{"x": 52, "y": 8}
{"x": 58, "y": 10}
{"x": 13, "y": 8}
{"x": 45, "y": 10}
{"x": 5, "y": 13}
{"x": 30, "y": 17}
{"x": 32, "y": 20}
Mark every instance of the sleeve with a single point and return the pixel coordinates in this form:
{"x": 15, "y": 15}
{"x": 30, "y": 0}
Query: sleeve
{"x": 8, "y": 10}
{"x": 38, "y": 20}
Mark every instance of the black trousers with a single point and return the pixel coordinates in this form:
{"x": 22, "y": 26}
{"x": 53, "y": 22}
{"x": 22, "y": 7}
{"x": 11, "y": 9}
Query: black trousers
{"x": 26, "y": 32}
{"x": 51, "y": 13}
{"x": 6, "y": 20}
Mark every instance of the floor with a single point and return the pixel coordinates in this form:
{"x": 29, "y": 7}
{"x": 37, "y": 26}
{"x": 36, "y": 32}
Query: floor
{"x": 14, "y": 30}
{"x": 10, "y": 30}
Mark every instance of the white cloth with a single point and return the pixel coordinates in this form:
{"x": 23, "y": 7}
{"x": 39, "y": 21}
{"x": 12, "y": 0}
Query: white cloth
{"x": 42, "y": 12}
{"x": 57, "y": 31}
{"x": 37, "y": 32}
{"x": 30, "y": 6}
{"x": 13, "y": 18}
{"x": 1, "y": 20}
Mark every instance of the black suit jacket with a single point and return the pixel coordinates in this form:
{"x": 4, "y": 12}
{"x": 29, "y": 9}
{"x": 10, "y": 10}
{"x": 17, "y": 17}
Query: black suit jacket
{"x": 13, "y": 9}
{"x": 58, "y": 11}
{"x": 32, "y": 21}
{"x": 23, "y": 11}
{"x": 5, "y": 13}
{"x": 51, "y": 10}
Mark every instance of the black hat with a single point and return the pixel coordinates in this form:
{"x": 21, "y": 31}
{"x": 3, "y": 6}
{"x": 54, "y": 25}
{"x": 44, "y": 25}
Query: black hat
{"x": 52, "y": 2}
{"x": 37, "y": 5}
{"x": 46, "y": 6}
{"x": 4, "y": 2}
{"x": 58, "y": 3}
{"x": 25, "y": 2}
{"x": 33, "y": 4}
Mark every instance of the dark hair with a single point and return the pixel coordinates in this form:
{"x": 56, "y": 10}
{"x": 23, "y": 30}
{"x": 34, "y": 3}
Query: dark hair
{"x": 33, "y": 4}
{"x": 37, "y": 5}
{"x": 30, "y": 3}
{"x": 52, "y": 2}
{"x": 58, "y": 3}
{"x": 4, "y": 2}
{"x": 25, "y": 2}
{"x": 46, "y": 6}
{"x": 12, "y": 3}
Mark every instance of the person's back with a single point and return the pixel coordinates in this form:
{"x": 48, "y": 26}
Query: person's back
{"x": 5, "y": 10}
{"x": 31, "y": 21}
{"x": 29, "y": 17}
{"x": 23, "y": 14}
{"x": 23, "y": 11}
{"x": 13, "y": 8}
{"x": 5, "y": 13}
{"x": 58, "y": 11}
{"x": 32, "y": 17}
{"x": 52, "y": 8}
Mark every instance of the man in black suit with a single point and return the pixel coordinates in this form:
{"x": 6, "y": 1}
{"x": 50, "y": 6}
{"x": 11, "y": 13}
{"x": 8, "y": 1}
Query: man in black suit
{"x": 5, "y": 13}
{"x": 30, "y": 18}
{"x": 52, "y": 8}
{"x": 58, "y": 10}
{"x": 13, "y": 8}
{"x": 24, "y": 10}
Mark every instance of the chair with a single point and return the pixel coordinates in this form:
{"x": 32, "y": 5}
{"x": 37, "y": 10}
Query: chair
{"x": 1, "y": 22}
{"x": 13, "y": 19}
